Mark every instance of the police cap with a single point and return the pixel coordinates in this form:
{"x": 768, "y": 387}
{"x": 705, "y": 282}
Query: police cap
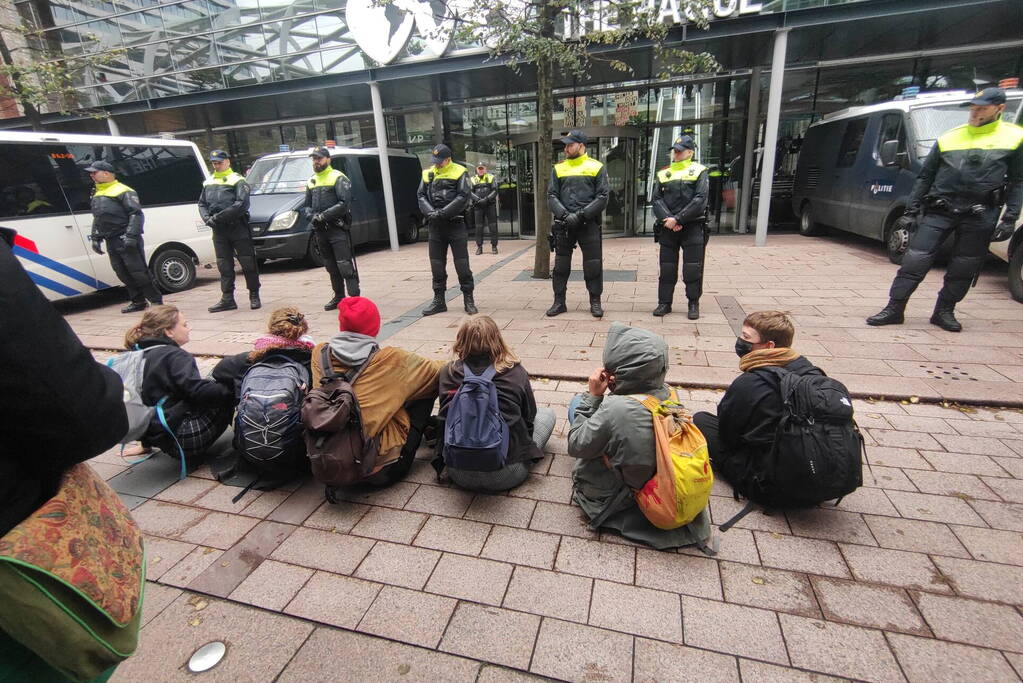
{"x": 320, "y": 152}
{"x": 575, "y": 136}
{"x": 219, "y": 155}
{"x": 99, "y": 165}
{"x": 683, "y": 142}
{"x": 440, "y": 153}
{"x": 987, "y": 97}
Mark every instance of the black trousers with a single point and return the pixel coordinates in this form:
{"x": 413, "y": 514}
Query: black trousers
{"x": 590, "y": 241}
{"x": 335, "y": 245}
{"x": 690, "y": 239}
{"x": 972, "y": 235}
{"x": 229, "y": 241}
{"x": 445, "y": 233}
{"x": 486, "y": 215}
{"x": 130, "y": 267}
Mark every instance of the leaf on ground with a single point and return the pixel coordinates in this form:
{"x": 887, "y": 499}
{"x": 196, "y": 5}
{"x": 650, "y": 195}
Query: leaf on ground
{"x": 914, "y": 399}
{"x": 194, "y": 621}
{"x": 759, "y": 580}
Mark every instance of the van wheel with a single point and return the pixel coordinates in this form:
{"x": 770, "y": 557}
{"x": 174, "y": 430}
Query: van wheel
{"x": 896, "y": 241}
{"x": 313, "y": 257}
{"x": 808, "y": 227}
{"x": 410, "y": 232}
{"x": 174, "y": 271}
{"x": 1016, "y": 273}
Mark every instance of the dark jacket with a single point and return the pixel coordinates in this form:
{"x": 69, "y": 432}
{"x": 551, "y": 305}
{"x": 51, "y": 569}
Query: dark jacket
{"x": 231, "y": 369}
{"x": 59, "y": 406}
{"x": 116, "y": 211}
{"x": 680, "y": 192}
{"x": 578, "y": 185}
{"x": 446, "y": 190}
{"x": 171, "y": 372}
{"x": 329, "y": 193}
{"x": 224, "y": 199}
{"x": 484, "y": 189}
{"x": 514, "y": 397}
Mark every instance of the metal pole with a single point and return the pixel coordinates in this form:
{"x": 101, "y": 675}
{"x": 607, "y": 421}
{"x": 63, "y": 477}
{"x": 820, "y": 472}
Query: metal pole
{"x": 752, "y": 127}
{"x": 385, "y": 166}
{"x": 112, "y": 126}
{"x": 771, "y": 134}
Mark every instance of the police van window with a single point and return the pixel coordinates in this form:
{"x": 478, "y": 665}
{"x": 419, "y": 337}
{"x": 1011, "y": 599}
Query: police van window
{"x": 851, "y": 141}
{"x": 160, "y": 175}
{"x": 892, "y": 128}
{"x": 295, "y": 173}
{"x": 28, "y": 177}
{"x": 370, "y": 167}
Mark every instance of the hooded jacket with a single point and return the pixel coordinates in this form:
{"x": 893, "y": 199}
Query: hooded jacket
{"x": 621, "y": 428}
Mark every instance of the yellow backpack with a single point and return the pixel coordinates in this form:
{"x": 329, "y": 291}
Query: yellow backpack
{"x": 680, "y": 488}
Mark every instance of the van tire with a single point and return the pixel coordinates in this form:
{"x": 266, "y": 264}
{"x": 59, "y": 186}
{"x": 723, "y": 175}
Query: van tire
{"x": 174, "y": 271}
{"x": 1016, "y": 273}
{"x": 313, "y": 257}
{"x": 808, "y": 227}
{"x": 410, "y": 231}
{"x": 895, "y": 241}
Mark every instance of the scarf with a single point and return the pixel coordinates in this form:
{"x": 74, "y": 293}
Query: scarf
{"x": 273, "y": 341}
{"x": 761, "y": 358}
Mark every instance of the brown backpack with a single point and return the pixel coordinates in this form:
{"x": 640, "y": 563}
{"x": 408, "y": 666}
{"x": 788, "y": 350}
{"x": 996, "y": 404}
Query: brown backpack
{"x": 339, "y": 451}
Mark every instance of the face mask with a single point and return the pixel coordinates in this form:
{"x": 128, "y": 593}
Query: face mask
{"x": 742, "y": 347}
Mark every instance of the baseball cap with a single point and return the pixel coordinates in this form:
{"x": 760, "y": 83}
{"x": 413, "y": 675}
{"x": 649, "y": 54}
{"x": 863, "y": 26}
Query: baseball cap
{"x": 358, "y": 314}
{"x": 987, "y": 97}
{"x": 99, "y": 165}
{"x": 683, "y": 142}
{"x": 575, "y": 136}
{"x": 219, "y": 155}
{"x": 322, "y": 152}
{"x": 440, "y": 153}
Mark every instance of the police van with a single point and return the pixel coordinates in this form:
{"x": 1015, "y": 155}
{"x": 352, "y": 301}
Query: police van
{"x": 857, "y": 166}
{"x": 45, "y": 196}
{"x": 280, "y": 228}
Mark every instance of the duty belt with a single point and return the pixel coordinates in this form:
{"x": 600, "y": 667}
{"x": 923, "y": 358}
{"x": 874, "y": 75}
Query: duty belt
{"x": 945, "y": 206}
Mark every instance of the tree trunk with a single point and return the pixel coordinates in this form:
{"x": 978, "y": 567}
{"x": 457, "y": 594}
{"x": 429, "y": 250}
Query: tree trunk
{"x": 31, "y": 113}
{"x": 542, "y": 165}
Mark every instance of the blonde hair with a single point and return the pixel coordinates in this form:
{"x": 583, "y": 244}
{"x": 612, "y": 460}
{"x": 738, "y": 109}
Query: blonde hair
{"x": 479, "y": 336}
{"x": 773, "y": 326}
{"x": 287, "y": 322}
{"x": 155, "y": 323}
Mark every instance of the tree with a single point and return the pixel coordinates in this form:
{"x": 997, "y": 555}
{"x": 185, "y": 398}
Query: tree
{"x": 567, "y": 37}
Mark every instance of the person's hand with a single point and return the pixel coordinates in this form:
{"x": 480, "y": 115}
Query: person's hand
{"x": 433, "y": 217}
{"x": 572, "y": 220}
{"x": 670, "y": 223}
{"x": 131, "y": 242}
{"x": 97, "y": 246}
{"x": 210, "y": 222}
{"x": 318, "y": 221}
{"x": 1004, "y": 230}
{"x": 599, "y": 381}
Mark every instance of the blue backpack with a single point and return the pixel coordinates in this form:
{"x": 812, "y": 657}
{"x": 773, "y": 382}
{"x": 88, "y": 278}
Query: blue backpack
{"x": 475, "y": 433}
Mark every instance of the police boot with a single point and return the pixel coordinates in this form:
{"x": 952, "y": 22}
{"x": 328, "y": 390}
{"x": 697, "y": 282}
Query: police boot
{"x": 944, "y": 317}
{"x": 254, "y": 301}
{"x": 479, "y": 249}
{"x": 226, "y": 303}
{"x": 694, "y": 310}
{"x": 892, "y": 314}
{"x": 662, "y": 310}
{"x": 134, "y": 307}
{"x": 436, "y": 306}
{"x": 595, "y": 308}
{"x": 558, "y": 307}
{"x": 470, "y": 305}
{"x": 493, "y": 249}
{"x": 333, "y": 303}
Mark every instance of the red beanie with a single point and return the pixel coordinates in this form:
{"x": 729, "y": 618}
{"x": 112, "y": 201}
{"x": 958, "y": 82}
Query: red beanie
{"x": 358, "y": 314}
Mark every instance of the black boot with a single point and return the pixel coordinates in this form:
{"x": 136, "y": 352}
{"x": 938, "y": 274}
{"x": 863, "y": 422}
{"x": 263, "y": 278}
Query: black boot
{"x": 558, "y": 307}
{"x": 332, "y": 304}
{"x": 892, "y": 314}
{"x": 944, "y": 317}
{"x": 226, "y": 303}
{"x": 479, "y": 249}
{"x": 694, "y": 310}
{"x": 470, "y": 305}
{"x": 493, "y": 249}
{"x": 436, "y": 306}
{"x": 134, "y": 307}
{"x": 595, "y": 309}
{"x": 662, "y": 310}
{"x": 254, "y": 301}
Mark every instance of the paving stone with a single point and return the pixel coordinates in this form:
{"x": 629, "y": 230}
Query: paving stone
{"x": 156, "y": 599}
{"x": 162, "y": 554}
{"x": 496, "y": 674}
{"x": 895, "y": 439}
{"x": 762, "y": 672}
{"x": 685, "y": 574}
{"x": 830, "y": 524}
{"x": 555, "y": 518}
{"x": 654, "y": 661}
{"x": 839, "y": 649}
{"x": 453, "y": 535}
{"x": 300, "y": 504}
{"x": 266, "y": 503}
{"x": 972, "y": 622}
{"x": 868, "y": 500}
{"x": 221, "y": 498}
{"x": 1014, "y": 466}
{"x": 983, "y": 580}
{"x": 894, "y": 567}
{"x": 398, "y": 565}
{"x": 1016, "y": 660}
{"x": 1010, "y": 490}
{"x": 394, "y": 496}
{"x": 230, "y": 570}
{"x": 131, "y": 502}
{"x": 977, "y": 445}
{"x": 389, "y": 525}
{"x": 946, "y": 484}
{"x": 1008, "y": 516}
{"x": 597, "y": 560}
{"x": 913, "y": 423}
{"x": 915, "y": 535}
{"x": 773, "y": 589}
{"x": 437, "y": 500}
{"x": 905, "y": 458}
{"x": 562, "y": 596}
{"x": 502, "y": 510}
{"x": 491, "y": 634}
{"x": 166, "y": 520}
{"x": 551, "y": 489}
{"x": 734, "y": 629}
{"x": 333, "y": 599}
{"x": 367, "y": 659}
{"x": 470, "y": 578}
{"x": 641, "y": 611}
{"x": 336, "y": 553}
{"x": 724, "y": 508}
{"x": 984, "y": 428}
{"x": 737, "y": 545}
{"x": 800, "y": 554}
{"x": 883, "y": 477}
{"x": 191, "y": 566}
{"x": 408, "y": 616}
{"x": 147, "y": 478}
{"x": 573, "y": 652}
{"x": 881, "y": 607}
{"x": 186, "y": 491}
{"x": 938, "y": 661}
{"x": 992, "y": 545}
{"x": 339, "y": 517}
{"x": 519, "y": 546}
{"x": 272, "y": 585}
{"x": 934, "y": 508}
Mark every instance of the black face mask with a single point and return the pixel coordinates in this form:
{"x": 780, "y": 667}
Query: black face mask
{"x": 742, "y": 347}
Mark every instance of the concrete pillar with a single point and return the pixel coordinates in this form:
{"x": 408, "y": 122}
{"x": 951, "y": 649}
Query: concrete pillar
{"x": 385, "y": 166}
{"x": 752, "y": 126}
{"x": 771, "y": 133}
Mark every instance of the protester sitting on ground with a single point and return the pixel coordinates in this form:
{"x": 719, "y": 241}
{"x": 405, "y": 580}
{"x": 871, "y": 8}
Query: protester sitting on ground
{"x": 196, "y": 410}
{"x": 613, "y": 437}
{"x": 287, "y": 335}
{"x": 479, "y": 345}
{"x": 395, "y": 391}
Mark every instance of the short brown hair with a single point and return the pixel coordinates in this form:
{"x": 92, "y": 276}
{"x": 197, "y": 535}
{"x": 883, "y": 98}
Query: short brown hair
{"x": 773, "y": 326}
{"x": 155, "y": 323}
{"x": 480, "y": 336}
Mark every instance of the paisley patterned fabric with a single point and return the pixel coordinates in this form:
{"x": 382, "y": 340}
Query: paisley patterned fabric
{"x": 84, "y": 537}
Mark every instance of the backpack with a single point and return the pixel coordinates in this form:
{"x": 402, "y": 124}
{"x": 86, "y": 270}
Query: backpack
{"x": 817, "y": 447}
{"x": 680, "y": 489}
{"x": 268, "y": 423}
{"x": 340, "y": 454}
{"x": 475, "y": 433}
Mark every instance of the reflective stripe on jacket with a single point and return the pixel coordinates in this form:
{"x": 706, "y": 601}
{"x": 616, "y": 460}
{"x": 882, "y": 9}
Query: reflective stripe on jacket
{"x": 578, "y": 185}
{"x": 329, "y": 192}
{"x": 680, "y": 191}
{"x": 116, "y": 211}
{"x": 224, "y": 198}
{"x": 484, "y": 188}
{"x": 446, "y": 190}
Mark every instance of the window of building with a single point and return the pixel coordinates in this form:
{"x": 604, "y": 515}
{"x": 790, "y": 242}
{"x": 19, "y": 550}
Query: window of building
{"x": 851, "y": 141}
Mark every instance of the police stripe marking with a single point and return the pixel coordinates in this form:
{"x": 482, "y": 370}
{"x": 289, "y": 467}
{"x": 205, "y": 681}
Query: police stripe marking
{"x": 60, "y": 268}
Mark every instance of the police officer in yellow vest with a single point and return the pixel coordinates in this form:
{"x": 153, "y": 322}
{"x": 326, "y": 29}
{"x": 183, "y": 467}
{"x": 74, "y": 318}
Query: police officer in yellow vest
{"x": 444, "y": 193}
{"x": 680, "y": 204}
{"x": 577, "y": 196}
{"x": 117, "y": 221}
{"x": 484, "y": 206}
{"x": 328, "y": 206}
{"x": 970, "y": 172}
{"x": 224, "y": 206}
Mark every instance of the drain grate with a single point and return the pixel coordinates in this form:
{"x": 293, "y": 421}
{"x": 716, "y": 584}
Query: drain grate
{"x": 952, "y": 372}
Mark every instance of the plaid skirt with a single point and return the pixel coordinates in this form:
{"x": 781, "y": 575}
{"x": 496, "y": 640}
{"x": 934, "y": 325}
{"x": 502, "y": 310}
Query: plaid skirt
{"x": 196, "y": 433}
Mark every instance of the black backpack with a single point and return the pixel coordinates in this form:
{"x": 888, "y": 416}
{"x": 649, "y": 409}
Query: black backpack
{"x": 817, "y": 448}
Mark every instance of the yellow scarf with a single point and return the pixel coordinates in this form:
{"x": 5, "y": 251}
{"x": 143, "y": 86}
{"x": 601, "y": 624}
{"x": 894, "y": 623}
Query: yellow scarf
{"x": 761, "y": 358}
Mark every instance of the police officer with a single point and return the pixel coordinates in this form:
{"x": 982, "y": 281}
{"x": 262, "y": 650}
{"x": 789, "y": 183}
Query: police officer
{"x": 680, "y": 203}
{"x": 224, "y": 206}
{"x": 970, "y": 172}
{"x": 577, "y": 196}
{"x": 484, "y": 205}
{"x": 328, "y": 206}
{"x": 117, "y": 221}
{"x": 444, "y": 194}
